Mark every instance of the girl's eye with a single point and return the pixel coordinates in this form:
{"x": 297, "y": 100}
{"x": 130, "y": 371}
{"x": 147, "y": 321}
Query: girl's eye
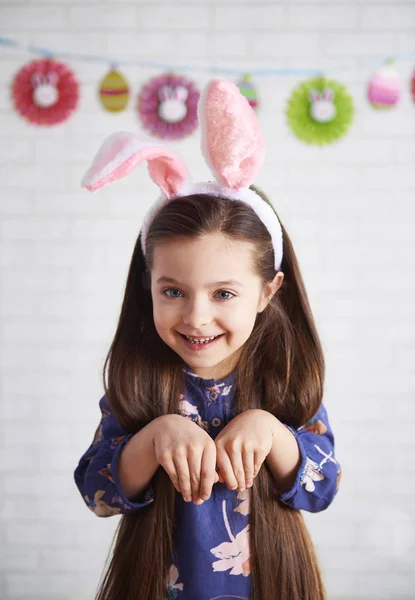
{"x": 173, "y": 295}
{"x": 171, "y": 290}
{"x": 225, "y": 292}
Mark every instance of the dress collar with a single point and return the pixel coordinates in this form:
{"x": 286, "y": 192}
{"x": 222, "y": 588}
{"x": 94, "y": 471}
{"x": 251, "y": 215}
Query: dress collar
{"x": 207, "y": 383}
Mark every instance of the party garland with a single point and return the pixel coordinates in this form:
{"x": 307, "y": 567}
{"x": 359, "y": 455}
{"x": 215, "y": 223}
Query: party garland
{"x": 319, "y": 111}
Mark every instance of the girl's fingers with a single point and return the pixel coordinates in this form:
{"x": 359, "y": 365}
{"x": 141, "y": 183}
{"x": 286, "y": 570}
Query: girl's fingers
{"x": 208, "y": 475}
{"x": 238, "y": 468}
{"x": 226, "y": 470}
{"x": 248, "y": 463}
{"x": 170, "y": 469}
{"x": 182, "y": 470}
{"x": 259, "y": 458}
{"x": 194, "y": 463}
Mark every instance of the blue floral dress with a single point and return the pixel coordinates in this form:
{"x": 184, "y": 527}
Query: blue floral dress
{"x": 212, "y": 556}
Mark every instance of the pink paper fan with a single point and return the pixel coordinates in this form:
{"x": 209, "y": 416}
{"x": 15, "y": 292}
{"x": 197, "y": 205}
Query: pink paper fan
{"x": 45, "y": 92}
{"x": 167, "y": 106}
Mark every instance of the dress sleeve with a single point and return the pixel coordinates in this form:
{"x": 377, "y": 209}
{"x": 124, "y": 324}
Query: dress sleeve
{"x": 96, "y": 475}
{"x": 319, "y": 474}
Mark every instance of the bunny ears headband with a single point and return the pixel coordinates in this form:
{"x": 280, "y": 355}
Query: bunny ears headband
{"x": 232, "y": 145}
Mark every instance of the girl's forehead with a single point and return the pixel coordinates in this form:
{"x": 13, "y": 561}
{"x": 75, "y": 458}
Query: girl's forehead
{"x": 217, "y": 255}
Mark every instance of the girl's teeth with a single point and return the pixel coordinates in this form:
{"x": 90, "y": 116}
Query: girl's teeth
{"x": 201, "y": 341}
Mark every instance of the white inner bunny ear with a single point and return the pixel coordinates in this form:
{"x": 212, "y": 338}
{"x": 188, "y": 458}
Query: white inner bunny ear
{"x": 232, "y": 141}
{"x": 123, "y": 151}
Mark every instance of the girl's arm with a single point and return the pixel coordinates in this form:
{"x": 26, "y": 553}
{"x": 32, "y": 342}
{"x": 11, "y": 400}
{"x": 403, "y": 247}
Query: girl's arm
{"x": 303, "y": 464}
{"x": 108, "y": 476}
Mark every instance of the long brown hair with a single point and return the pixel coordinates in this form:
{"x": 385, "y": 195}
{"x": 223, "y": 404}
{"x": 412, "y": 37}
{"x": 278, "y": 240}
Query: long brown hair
{"x": 280, "y": 369}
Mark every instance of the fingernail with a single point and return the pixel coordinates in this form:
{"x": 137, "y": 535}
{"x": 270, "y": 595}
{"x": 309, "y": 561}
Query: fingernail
{"x": 199, "y": 502}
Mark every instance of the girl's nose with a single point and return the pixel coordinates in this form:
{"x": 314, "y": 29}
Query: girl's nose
{"x": 196, "y": 314}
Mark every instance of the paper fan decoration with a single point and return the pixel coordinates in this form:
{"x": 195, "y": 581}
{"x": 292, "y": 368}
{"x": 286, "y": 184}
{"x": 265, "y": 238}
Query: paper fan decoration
{"x": 45, "y": 92}
{"x": 320, "y": 111}
{"x": 114, "y": 91}
{"x": 167, "y": 106}
{"x": 384, "y": 89}
{"x": 248, "y": 90}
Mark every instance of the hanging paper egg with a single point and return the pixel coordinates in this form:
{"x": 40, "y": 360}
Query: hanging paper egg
{"x": 45, "y": 92}
{"x": 320, "y": 111}
{"x": 384, "y": 89}
{"x": 167, "y": 106}
{"x": 114, "y": 91}
{"x": 248, "y": 90}
{"x": 413, "y": 86}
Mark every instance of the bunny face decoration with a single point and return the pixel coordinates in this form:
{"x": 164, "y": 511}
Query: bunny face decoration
{"x": 320, "y": 111}
{"x": 45, "y": 92}
{"x": 173, "y": 103}
{"x": 232, "y": 144}
{"x": 167, "y": 106}
{"x": 322, "y": 106}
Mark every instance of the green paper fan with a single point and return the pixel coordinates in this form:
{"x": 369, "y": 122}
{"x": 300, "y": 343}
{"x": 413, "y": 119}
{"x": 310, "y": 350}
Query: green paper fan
{"x": 300, "y": 107}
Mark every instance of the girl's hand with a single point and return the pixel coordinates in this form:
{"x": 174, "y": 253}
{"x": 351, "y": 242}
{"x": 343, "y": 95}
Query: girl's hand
{"x": 188, "y": 455}
{"x": 243, "y": 445}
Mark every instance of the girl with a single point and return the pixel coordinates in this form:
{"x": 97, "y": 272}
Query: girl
{"x": 213, "y": 432}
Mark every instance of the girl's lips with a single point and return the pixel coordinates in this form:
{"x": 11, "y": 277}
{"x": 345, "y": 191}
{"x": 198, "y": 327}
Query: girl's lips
{"x": 199, "y": 346}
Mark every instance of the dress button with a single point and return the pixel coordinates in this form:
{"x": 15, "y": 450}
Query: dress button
{"x": 216, "y": 422}
{"x": 213, "y": 395}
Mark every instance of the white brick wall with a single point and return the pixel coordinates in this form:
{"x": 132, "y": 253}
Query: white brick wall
{"x": 64, "y": 255}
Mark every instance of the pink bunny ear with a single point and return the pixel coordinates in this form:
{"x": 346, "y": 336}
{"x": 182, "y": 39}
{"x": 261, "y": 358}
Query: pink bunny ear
{"x": 232, "y": 142}
{"x": 328, "y": 94}
{"x": 180, "y": 93}
{"x": 123, "y": 151}
{"x": 314, "y": 95}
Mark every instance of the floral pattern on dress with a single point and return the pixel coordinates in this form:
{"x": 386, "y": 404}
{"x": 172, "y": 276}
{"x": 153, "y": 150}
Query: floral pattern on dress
{"x": 191, "y": 412}
{"x": 213, "y": 555}
{"x": 310, "y": 474}
{"x": 106, "y": 472}
{"x": 313, "y": 471}
{"x": 244, "y": 507}
{"x": 236, "y": 554}
{"x": 99, "y": 507}
{"x": 172, "y": 585}
{"x": 315, "y": 426}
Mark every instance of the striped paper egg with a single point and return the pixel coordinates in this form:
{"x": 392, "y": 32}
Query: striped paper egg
{"x": 385, "y": 88}
{"x": 114, "y": 91}
{"x": 248, "y": 90}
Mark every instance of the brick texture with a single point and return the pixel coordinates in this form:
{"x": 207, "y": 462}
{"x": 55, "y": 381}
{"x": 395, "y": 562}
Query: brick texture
{"x": 64, "y": 255}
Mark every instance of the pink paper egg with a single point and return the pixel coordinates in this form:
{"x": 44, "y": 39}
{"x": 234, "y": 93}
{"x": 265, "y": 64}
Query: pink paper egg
{"x": 384, "y": 89}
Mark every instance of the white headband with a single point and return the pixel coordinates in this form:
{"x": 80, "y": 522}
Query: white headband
{"x": 233, "y": 147}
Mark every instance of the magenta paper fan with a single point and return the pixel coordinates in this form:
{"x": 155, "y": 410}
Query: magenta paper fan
{"x": 167, "y": 106}
{"x": 45, "y": 92}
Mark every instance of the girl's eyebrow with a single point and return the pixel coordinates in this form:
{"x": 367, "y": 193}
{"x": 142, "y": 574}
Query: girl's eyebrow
{"x": 165, "y": 279}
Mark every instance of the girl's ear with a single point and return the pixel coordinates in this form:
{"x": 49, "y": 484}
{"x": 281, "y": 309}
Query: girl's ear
{"x": 123, "y": 151}
{"x": 232, "y": 141}
{"x": 271, "y": 289}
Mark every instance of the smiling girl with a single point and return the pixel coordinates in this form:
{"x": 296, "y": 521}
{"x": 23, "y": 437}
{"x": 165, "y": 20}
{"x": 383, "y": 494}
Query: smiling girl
{"x": 213, "y": 433}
